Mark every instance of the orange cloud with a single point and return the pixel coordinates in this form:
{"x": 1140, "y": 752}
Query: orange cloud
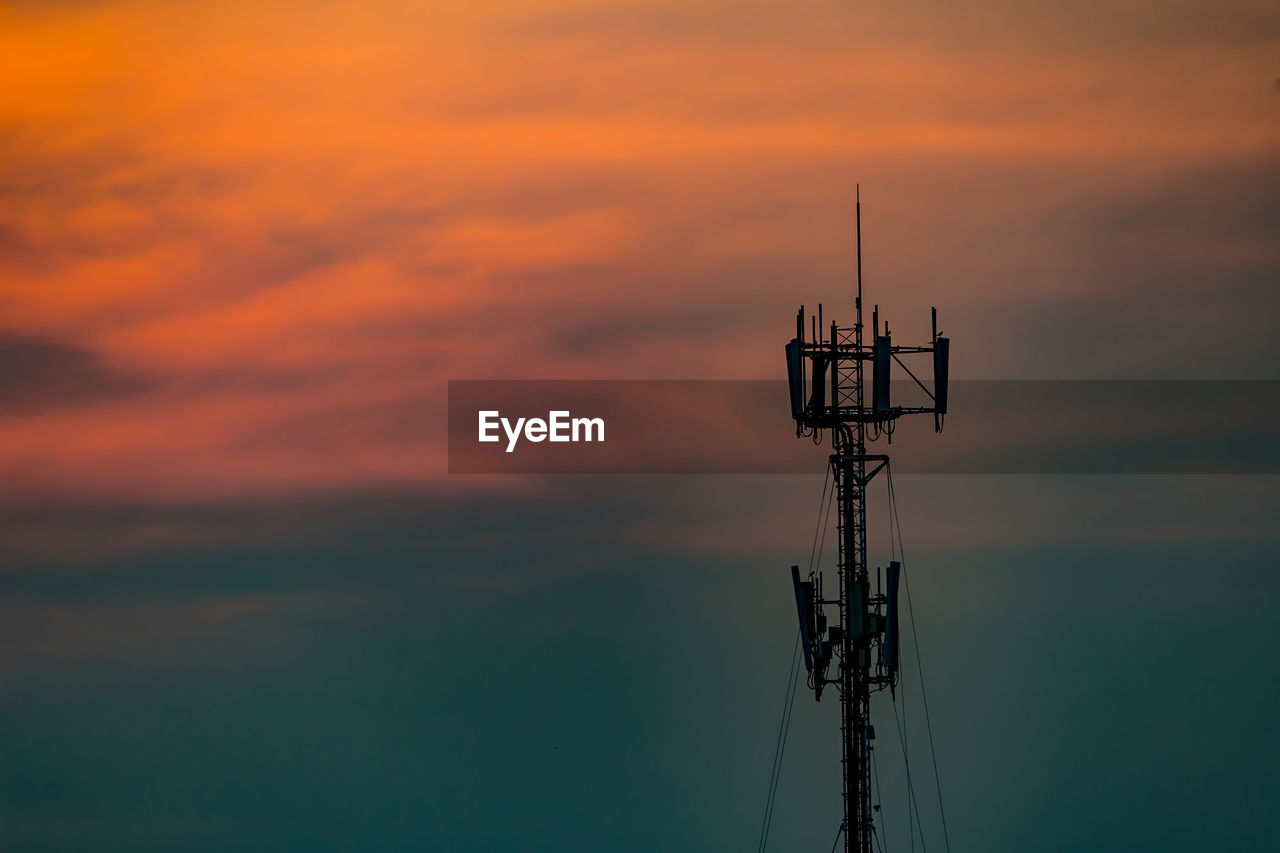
{"x": 300, "y": 219}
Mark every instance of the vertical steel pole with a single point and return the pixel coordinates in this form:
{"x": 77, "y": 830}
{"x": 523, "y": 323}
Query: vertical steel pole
{"x": 848, "y": 760}
{"x": 856, "y": 696}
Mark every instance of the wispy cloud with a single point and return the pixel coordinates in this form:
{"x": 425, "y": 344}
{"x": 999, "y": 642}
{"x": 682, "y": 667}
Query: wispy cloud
{"x": 38, "y": 375}
{"x": 306, "y": 217}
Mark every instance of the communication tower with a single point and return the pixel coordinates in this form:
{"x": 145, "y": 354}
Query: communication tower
{"x": 826, "y": 370}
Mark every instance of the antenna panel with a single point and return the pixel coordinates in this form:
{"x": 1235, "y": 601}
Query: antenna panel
{"x": 941, "y": 355}
{"x": 818, "y": 400}
{"x": 890, "y": 648}
{"x": 804, "y": 610}
{"x": 795, "y": 377}
{"x": 880, "y": 374}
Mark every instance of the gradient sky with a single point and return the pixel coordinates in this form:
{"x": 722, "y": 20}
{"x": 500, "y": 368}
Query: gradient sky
{"x": 243, "y": 246}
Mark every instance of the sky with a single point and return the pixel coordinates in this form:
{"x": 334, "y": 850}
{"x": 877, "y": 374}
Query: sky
{"x": 244, "y": 246}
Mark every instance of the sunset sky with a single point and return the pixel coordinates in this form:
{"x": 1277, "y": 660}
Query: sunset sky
{"x": 244, "y": 246}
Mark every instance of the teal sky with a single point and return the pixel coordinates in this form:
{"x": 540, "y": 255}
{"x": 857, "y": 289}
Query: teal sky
{"x": 245, "y": 246}
{"x": 602, "y": 667}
